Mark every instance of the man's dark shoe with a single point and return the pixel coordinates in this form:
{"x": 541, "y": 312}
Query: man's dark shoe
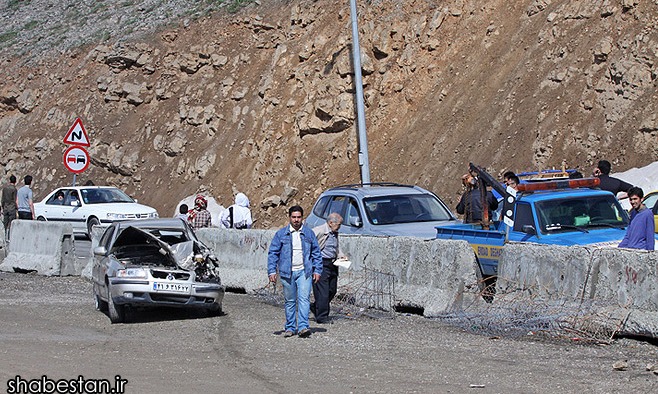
{"x": 305, "y": 333}
{"x": 327, "y": 321}
{"x": 288, "y": 334}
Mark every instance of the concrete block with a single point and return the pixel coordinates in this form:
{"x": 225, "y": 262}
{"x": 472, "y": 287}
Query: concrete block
{"x": 3, "y": 246}
{"x": 242, "y": 255}
{"x": 616, "y": 288}
{"x": 627, "y": 280}
{"x": 44, "y": 247}
{"x": 546, "y": 272}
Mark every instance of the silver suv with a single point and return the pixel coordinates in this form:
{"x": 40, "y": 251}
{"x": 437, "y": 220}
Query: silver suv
{"x": 383, "y": 209}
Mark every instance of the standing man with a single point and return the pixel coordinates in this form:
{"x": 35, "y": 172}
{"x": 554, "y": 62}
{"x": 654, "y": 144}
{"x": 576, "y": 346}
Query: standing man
{"x": 295, "y": 254}
{"x": 24, "y": 200}
{"x": 470, "y": 204}
{"x": 640, "y": 232}
{"x": 614, "y": 185}
{"x": 9, "y": 204}
{"x": 237, "y": 215}
{"x": 199, "y": 217}
{"x": 325, "y": 289}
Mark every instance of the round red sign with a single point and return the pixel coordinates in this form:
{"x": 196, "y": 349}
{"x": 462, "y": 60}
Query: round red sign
{"x": 76, "y": 159}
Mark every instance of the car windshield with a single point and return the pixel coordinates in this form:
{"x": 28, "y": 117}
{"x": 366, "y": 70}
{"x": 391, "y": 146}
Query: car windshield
{"x": 104, "y": 196}
{"x": 578, "y": 214}
{"x": 405, "y": 209}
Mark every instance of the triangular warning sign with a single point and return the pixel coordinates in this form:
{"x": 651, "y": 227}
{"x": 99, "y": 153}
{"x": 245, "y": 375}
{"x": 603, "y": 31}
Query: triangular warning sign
{"x": 77, "y": 134}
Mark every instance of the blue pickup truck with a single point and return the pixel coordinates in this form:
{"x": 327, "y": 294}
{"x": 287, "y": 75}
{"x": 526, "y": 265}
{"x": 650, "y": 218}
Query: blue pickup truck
{"x": 551, "y": 212}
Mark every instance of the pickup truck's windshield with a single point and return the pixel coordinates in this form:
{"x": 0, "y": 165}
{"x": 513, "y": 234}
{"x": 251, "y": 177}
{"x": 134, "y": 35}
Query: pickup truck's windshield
{"x": 576, "y": 214}
{"x": 405, "y": 209}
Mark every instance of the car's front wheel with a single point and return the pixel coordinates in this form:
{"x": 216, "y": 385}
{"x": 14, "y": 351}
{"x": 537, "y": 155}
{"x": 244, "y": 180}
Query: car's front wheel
{"x": 116, "y": 312}
{"x": 98, "y": 302}
{"x": 216, "y": 310}
{"x": 90, "y": 225}
{"x": 41, "y": 219}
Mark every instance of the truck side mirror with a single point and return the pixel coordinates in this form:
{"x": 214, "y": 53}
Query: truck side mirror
{"x": 529, "y": 229}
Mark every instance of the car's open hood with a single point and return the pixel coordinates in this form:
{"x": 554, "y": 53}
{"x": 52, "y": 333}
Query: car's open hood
{"x": 135, "y": 236}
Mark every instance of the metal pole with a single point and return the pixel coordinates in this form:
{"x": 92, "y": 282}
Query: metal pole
{"x": 74, "y": 175}
{"x": 358, "y": 82}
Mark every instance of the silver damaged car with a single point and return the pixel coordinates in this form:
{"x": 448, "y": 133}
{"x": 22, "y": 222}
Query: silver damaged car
{"x": 159, "y": 262}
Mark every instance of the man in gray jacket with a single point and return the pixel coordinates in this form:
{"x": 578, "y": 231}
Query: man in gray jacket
{"x": 325, "y": 289}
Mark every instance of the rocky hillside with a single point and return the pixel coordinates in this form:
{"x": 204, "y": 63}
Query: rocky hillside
{"x": 258, "y": 96}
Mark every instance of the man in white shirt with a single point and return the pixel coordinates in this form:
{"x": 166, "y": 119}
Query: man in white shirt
{"x": 295, "y": 254}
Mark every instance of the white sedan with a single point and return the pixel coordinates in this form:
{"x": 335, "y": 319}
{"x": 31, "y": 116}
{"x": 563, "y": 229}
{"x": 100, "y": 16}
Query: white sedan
{"x": 86, "y": 206}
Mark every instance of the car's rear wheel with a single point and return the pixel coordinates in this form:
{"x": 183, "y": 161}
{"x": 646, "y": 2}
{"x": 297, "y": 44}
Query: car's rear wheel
{"x": 116, "y": 312}
{"x": 98, "y": 302}
{"x": 90, "y": 225}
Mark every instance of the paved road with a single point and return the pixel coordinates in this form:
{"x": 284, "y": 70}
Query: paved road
{"x": 48, "y": 326}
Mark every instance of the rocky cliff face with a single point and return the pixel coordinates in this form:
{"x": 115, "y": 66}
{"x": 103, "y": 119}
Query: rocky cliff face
{"x": 262, "y": 100}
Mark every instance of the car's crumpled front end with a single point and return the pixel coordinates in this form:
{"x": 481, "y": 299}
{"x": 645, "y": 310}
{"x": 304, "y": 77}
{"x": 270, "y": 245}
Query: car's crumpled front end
{"x": 157, "y": 273}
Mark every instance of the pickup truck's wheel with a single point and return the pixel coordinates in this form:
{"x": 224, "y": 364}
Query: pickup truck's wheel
{"x": 90, "y": 225}
{"x": 116, "y": 312}
{"x": 486, "y": 284}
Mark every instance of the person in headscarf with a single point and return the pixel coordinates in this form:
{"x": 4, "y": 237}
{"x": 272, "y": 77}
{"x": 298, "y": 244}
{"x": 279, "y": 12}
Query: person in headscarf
{"x": 237, "y": 215}
{"x": 199, "y": 217}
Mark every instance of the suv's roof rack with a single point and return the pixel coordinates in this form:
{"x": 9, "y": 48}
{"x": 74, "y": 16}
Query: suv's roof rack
{"x": 354, "y": 185}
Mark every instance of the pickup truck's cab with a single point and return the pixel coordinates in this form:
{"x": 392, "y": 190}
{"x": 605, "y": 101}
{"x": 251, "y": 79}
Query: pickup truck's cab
{"x": 560, "y": 216}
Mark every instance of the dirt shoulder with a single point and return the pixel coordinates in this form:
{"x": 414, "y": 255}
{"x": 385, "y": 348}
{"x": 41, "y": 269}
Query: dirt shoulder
{"x": 49, "y": 327}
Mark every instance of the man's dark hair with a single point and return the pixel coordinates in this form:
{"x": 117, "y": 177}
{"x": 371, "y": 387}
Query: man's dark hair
{"x": 508, "y": 175}
{"x": 635, "y": 191}
{"x": 12, "y": 179}
{"x": 28, "y": 179}
{"x": 604, "y": 166}
{"x": 183, "y": 208}
{"x": 514, "y": 179}
{"x": 295, "y": 208}
{"x": 575, "y": 175}
{"x": 89, "y": 183}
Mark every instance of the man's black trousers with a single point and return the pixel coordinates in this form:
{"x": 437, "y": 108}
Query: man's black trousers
{"x": 325, "y": 290}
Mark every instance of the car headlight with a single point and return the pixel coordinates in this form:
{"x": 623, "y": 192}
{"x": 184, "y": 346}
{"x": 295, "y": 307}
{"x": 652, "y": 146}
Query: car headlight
{"x": 116, "y": 216}
{"x": 154, "y": 215}
{"x": 131, "y": 273}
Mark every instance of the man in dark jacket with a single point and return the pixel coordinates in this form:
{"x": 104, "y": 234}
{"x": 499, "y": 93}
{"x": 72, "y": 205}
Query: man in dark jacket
{"x": 614, "y": 185}
{"x": 470, "y": 205}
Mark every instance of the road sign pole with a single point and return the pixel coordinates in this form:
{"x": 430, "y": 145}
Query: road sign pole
{"x": 74, "y": 175}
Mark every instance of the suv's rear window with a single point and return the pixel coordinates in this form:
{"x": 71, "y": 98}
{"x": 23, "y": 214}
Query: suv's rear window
{"x": 405, "y": 209}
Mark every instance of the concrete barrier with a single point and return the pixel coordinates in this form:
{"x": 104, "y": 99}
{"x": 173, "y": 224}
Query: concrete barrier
{"x": 620, "y": 284}
{"x": 96, "y": 234}
{"x": 436, "y": 275}
{"x": 44, "y": 247}
{"x": 3, "y": 246}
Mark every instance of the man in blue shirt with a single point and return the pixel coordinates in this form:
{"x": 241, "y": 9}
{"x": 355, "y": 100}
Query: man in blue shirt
{"x": 295, "y": 254}
{"x": 640, "y": 232}
{"x": 24, "y": 200}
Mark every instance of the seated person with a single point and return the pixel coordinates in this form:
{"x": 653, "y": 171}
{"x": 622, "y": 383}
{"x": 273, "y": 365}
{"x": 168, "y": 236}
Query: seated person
{"x": 59, "y": 198}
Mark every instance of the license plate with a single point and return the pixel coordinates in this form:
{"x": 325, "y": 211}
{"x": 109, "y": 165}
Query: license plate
{"x": 171, "y": 287}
